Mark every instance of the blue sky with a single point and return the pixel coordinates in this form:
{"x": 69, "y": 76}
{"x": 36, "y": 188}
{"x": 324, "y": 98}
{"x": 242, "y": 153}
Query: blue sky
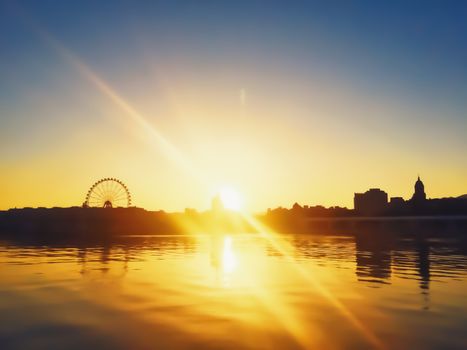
{"x": 418, "y": 43}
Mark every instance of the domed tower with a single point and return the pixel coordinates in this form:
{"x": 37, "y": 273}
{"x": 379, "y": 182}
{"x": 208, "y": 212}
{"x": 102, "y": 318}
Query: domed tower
{"x": 419, "y": 194}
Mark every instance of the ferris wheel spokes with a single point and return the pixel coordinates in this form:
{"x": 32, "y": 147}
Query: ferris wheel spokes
{"x": 108, "y": 193}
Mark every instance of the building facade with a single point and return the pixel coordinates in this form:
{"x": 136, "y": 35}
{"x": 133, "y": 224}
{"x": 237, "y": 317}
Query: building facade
{"x": 372, "y": 202}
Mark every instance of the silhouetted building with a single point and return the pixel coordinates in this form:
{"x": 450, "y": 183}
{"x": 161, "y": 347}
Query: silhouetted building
{"x": 396, "y": 201}
{"x": 216, "y": 204}
{"x": 419, "y": 195}
{"x": 397, "y": 206}
{"x": 373, "y": 201}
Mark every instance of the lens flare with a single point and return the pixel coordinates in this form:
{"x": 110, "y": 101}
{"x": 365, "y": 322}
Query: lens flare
{"x": 230, "y": 198}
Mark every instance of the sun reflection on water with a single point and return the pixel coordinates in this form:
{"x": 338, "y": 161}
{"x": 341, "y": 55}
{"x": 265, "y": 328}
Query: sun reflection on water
{"x": 224, "y": 259}
{"x": 229, "y": 259}
{"x": 206, "y": 290}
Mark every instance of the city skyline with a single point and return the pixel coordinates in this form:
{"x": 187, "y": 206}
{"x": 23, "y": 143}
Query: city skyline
{"x": 114, "y": 193}
{"x": 304, "y": 105}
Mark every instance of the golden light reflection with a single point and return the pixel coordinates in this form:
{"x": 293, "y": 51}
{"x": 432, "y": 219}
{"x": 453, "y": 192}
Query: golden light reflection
{"x": 287, "y": 250}
{"x": 229, "y": 260}
{"x": 223, "y": 259}
{"x": 251, "y": 277}
{"x": 168, "y": 282}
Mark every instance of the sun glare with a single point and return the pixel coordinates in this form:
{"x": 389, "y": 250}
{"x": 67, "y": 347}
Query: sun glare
{"x": 230, "y": 198}
{"x": 229, "y": 261}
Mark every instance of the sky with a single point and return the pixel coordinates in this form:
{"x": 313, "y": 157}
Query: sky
{"x": 292, "y": 101}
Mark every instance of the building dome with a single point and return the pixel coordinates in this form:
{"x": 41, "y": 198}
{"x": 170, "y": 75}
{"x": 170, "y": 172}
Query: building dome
{"x": 419, "y": 185}
{"x": 419, "y": 194}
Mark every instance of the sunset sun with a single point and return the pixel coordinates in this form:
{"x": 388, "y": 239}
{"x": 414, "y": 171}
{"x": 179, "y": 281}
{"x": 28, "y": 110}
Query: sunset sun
{"x": 230, "y": 198}
{"x": 233, "y": 174}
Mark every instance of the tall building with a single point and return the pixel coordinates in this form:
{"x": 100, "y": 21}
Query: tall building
{"x": 372, "y": 202}
{"x": 419, "y": 194}
{"x": 216, "y": 204}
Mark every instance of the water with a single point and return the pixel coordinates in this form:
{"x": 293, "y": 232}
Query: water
{"x": 234, "y": 292}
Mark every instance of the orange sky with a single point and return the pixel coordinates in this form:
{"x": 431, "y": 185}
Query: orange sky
{"x": 221, "y": 135}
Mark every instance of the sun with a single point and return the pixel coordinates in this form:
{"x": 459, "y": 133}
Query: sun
{"x": 230, "y": 198}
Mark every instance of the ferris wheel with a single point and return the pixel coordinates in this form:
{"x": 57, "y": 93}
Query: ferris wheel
{"x": 108, "y": 193}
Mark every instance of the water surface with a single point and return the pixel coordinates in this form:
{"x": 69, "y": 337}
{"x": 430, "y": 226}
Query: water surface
{"x": 235, "y": 292}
